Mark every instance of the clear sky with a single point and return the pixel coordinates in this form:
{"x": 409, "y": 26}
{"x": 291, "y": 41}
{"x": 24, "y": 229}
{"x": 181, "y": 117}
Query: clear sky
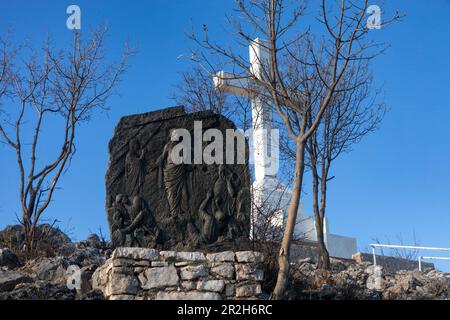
{"x": 395, "y": 182}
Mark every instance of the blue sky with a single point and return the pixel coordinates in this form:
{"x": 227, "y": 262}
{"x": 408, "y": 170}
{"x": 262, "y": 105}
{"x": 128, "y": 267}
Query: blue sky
{"x": 397, "y": 181}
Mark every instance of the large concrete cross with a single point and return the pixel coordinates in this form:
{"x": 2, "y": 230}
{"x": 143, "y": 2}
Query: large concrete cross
{"x": 266, "y": 162}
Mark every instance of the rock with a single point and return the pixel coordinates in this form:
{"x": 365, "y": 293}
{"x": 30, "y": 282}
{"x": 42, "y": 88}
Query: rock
{"x": 13, "y": 234}
{"x": 9, "y": 279}
{"x": 139, "y": 270}
{"x": 248, "y": 272}
{"x": 249, "y": 257}
{"x": 53, "y": 270}
{"x": 211, "y": 285}
{"x": 92, "y": 295}
{"x": 121, "y": 283}
{"x": 52, "y": 241}
{"x": 181, "y": 264}
{"x": 229, "y": 290}
{"x": 133, "y": 263}
{"x": 416, "y": 285}
{"x": 168, "y": 255}
{"x": 306, "y": 268}
{"x": 337, "y": 265}
{"x": 437, "y": 274}
{"x": 100, "y": 277}
{"x": 193, "y": 272}
{"x": 94, "y": 241}
{"x": 375, "y": 270}
{"x": 87, "y": 257}
{"x": 55, "y": 234}
{"x": 85, "y": 285}
{"x": 8, "y": 259}
{"x": 224, "y": 270}
{"x": 49, "y": 278}
{"x": 183, "y": 256}
{"x": 69, "y": 247}
{"x": 189, "y": 285}
{"x": 191, "y": 295}
{"x": 305, "y": 260}
{"x": 248, "y": 290}
{"x": 328, "y": 292}
{"x": 163, "y": 277}
{"x": 358, "y": 281}
{"x": 375, "y": 278}
{"x": 136, "y": 254}
{"x": 129, "y": 274}
{"x": 160, "y": 264}
{"x": 122, "y": 297}
{"x": 227, "y": 256}
{"x": 39, "y": 290}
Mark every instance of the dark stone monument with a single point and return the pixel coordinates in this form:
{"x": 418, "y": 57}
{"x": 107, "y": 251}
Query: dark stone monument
{"x": 153, "y": 202}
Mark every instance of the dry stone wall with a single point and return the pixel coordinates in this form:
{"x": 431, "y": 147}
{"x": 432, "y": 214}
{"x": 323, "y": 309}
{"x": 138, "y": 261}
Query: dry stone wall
{"x": 392, "y": 264}
{"x": 148, "y": 274}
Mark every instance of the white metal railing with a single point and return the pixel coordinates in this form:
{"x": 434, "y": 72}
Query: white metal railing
{"x": 421, "y": 258}
{"x": 430, "y": 258}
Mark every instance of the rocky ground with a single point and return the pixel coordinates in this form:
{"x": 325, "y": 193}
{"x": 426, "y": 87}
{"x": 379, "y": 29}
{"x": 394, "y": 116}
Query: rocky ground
{"x": 47, "y": 277}
{"x": 363, "y": 281}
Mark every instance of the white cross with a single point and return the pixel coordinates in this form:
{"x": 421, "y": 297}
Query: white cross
{"x": 266, "y": 162}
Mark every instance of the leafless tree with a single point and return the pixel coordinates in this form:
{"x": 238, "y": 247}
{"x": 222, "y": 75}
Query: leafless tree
{"x": 267, "y": 228}
{"x": 7, "y": 56}
{"x": 59, "y": 88}
{"x": 325, "y": 58}
{"x": 353, "y": 113}
{"x": 196, "y": 92}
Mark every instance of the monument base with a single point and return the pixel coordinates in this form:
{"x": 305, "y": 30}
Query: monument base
{"x": 148, "y": 274}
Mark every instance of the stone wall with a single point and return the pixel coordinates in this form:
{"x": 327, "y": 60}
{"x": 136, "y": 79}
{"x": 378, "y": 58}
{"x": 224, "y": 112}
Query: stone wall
{"x": 304, "y": 250}
{"x": 392, "y": 264}
{"x": 148, "y": 274}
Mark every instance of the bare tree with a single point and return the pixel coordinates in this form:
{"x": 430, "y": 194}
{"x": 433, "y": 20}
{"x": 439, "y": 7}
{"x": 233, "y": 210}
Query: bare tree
{"x": 325, "y": 59}
{"x": 7, "y": 56}
{"x": 353, "y": 113}
{"x": 267, "y": 227}
{"x": 196, "y": 92}
{"x": 64, "y": 88}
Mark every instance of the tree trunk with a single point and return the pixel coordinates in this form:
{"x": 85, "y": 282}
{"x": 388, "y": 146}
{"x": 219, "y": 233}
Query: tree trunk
{"x": 324, "y": 258}
{"x": 283, "y": 258}
{"x": 29, "y": 228}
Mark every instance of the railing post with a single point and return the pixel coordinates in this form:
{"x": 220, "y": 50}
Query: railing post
{"x": 374, "y": 256}
{"x": 420, "y": 263}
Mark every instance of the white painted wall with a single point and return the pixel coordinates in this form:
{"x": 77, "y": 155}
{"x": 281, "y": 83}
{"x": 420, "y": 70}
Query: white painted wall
{"x": 340, "y": 246}
{"x": 271, "y": 194}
